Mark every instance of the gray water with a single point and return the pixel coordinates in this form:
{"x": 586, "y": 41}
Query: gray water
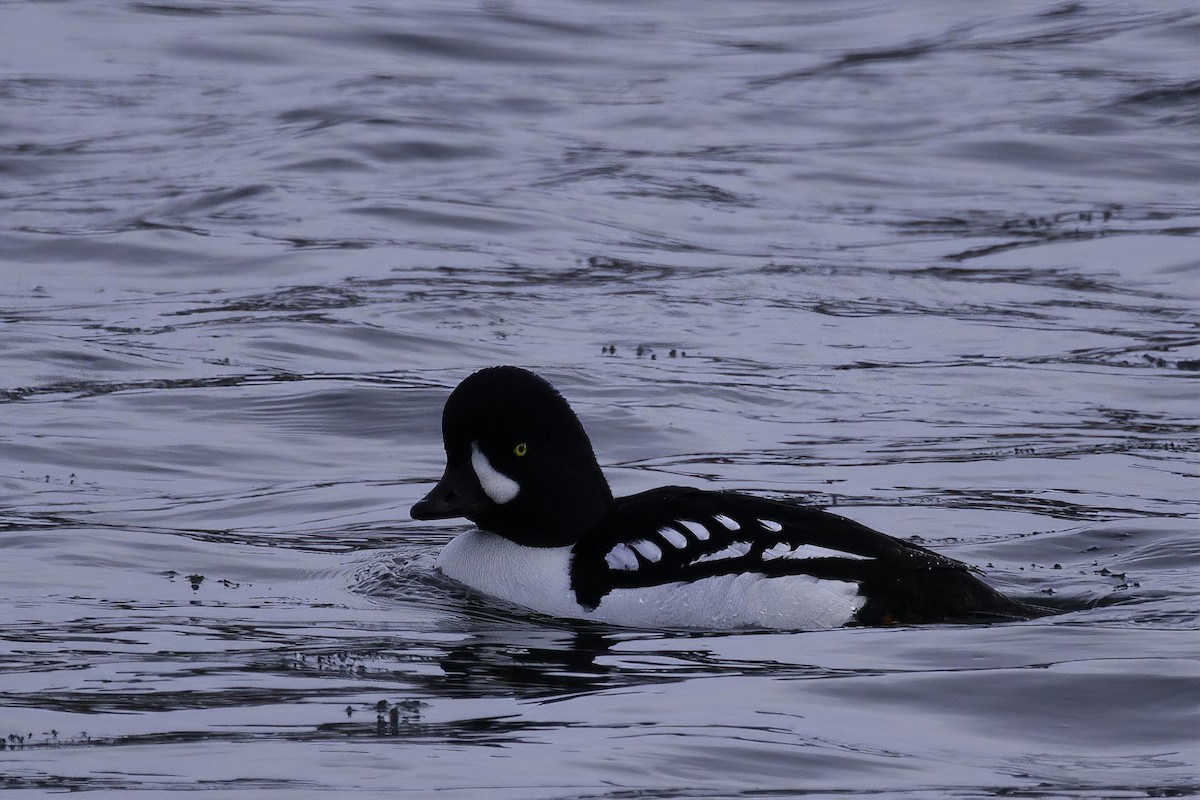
{"x": 934, "y": 264}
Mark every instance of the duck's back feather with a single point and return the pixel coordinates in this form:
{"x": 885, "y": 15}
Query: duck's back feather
{"x": 682, "y": 535}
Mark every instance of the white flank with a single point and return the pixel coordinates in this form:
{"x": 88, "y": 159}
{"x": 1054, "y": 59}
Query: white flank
{"x": 735, "y": 550}
{"x": 534, "y": 577}
{"x": 816, "y": 551}
{"x": 537, "y": 578}
{"x": 496, "y": 485}
{"x": 770, "y": 525}
{"x": 804, "y": 551}
{"x": 621, "y": 558}
{"x": 781, "y": 550}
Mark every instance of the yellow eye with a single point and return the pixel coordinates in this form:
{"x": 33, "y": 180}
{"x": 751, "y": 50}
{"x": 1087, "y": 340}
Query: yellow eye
{"x": 520, "y": 450}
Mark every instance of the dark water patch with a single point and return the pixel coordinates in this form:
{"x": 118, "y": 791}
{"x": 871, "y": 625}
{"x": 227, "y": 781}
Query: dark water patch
{"x": 1081, "y": 703}
{"x": 305, "y": 537}
{"x": 209, "y": 200}
{"x": 329, "y": 164}
{"x": 703, "y": 155}
{"x": 1024, "y": 231}
{"x": 306, "y": 243}
{"x": 345, "y": 408}
{"x": 1036, "y": 445}
{"x": 1170, "y": 315}
{"x": 546, "y": 24}
{"x": 109, "y": 227}
{"x": 79, "y": 389}
{"x": 902, "y": 53}
{"x": 1065, "y": 10}
{"x": 153, "y": 256}
{"x": 425, "y": 217}
{"x": 1111, "y": 160}
{"x": 564, "y": 176}
{"x": 135, "y": 781}
{"x": 888, "y": 306}
{"x": 317, "y": 118}
{"x": 1172, "y": 105}
{"x": 132, "y": 702}
{"x": 1033, "y": 501}
{"x": 407, "y": 726}
{"x": 604, "y": 270}
{"x": 296, "y": 298}
{"x": 467, "y": 49}
{"x": 250, "y": 55}
{"x": 401, "y": 151}
{"x": 1083, "y": 25}
{"x": 1121, "y": 357}
{"x": 1075, "y": 29}
{"x": 42, "y": 151}
{"x": 1067, "y": 279}
{"x": 597, "y": 271}
{"x": 1085, "y": 28}
{"x": 12, "y": 522}
{"x": 687, "y": 189}
{"x": 21, "y": 167}
{"x": 150, "y": 225}
{"x": 845, "y": 62}
{"x": 527, "y": 106}
{"x": 72, "y": 359}
{"x": 200, "y": 9}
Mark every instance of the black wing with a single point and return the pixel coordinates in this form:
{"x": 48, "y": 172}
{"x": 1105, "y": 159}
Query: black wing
{"x": 679, "y": 534}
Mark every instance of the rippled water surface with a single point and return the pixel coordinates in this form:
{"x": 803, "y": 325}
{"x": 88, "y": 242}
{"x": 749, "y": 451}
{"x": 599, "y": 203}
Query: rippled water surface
{"x": 933, "y": 263}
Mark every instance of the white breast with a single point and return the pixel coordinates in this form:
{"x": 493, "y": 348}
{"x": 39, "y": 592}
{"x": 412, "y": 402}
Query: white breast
{"x": 538, "y": 578}
{"x": 534, "y": 577}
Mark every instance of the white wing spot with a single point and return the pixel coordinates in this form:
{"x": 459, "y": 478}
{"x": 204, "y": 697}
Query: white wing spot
{"x": 649, "y": 550}
{"x": 781, "y": 550}
{"x": 735, "y": 550}
{"x": 698, "y": 530}
{"x": 729, "y": 523}
{"x": 770, "y": 525}
{"x": 621, "y": 558}
{"x": 676, "y": 539}
{"x": 495, "y": 484}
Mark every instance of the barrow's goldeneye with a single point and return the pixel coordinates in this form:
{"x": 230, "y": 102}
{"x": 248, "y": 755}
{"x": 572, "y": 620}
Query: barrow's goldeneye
{"x": 551, "y": 536}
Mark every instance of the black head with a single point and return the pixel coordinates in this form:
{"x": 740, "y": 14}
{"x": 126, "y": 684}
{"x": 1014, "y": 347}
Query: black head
{"x": 518, "y": 462}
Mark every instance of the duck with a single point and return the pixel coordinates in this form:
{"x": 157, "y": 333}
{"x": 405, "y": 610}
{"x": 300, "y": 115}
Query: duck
{"x": 551, "y": 538}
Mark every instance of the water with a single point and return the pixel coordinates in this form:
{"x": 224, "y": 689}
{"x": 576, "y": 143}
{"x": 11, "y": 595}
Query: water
{"x": 935, "y": 264}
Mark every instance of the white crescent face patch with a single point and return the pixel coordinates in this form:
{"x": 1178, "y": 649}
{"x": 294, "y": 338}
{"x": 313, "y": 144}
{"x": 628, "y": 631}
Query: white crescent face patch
{"x": 496, "y": 485}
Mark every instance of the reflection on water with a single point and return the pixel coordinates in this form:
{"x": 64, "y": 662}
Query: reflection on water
{"x": 934, "y": 267}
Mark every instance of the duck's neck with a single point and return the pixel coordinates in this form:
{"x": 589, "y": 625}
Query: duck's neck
{"x": 551, "y": 519}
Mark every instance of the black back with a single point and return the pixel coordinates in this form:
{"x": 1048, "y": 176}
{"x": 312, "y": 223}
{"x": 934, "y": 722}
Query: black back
{"x": 902, "y": 582}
